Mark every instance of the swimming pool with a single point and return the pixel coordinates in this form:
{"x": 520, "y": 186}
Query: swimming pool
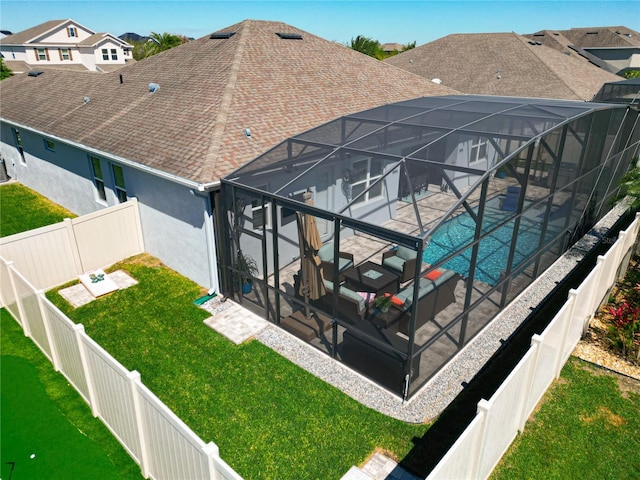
{"x": 493, "y": 253}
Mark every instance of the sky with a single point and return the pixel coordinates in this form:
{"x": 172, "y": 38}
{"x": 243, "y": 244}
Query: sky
{"x": 388, "y": 21}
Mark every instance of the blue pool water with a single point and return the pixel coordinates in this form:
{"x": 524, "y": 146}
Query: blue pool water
{"x": 494, "y": 250}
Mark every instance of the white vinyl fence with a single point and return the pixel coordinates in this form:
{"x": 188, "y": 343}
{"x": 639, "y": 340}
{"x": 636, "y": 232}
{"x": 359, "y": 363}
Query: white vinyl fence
{"x": 163, "y": 446}
{"x": 498, "y": 420}
{"x": 52, "y": 255}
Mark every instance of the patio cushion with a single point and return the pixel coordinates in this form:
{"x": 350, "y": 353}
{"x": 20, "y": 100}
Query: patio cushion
{"x": 405, "y": 253}
{"x": 326, "y": 252}
{"x": 344, "y": 263}
{"x": 395, "y": 263}
{"x": 425, "y": 287}
{"x": 346, "y": 292}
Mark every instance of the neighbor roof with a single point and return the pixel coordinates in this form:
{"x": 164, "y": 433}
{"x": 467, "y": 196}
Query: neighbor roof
{"x": 504, "y": 64}
{"x": 210, "y": 91}
{"x": 25, "y": 36}
{"x": 603, "y": 37}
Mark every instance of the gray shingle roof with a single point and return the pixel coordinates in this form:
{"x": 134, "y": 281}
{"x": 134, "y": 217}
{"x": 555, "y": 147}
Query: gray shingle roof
{"x": 210, "y": 90}
{"x": 472, "y": 63}
{"x": 33, "y": 32}
{"x": 603, "y": 37}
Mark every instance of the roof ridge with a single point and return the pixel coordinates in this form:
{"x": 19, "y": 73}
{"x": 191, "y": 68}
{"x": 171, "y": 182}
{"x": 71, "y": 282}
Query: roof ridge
{"x": 550, "y": 67}
{"x": 211, "y": 157}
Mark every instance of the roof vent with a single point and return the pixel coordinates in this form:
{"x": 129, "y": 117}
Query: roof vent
{"x": 153, "y": 87}
{"x": 436, "y": 80}
{"x": 35, "y": 73}
{"x": 247, "y": 132}
{"x": 86, "y": 100}
{"x": 289, "y": 36}
{"x": 221, "y": 35}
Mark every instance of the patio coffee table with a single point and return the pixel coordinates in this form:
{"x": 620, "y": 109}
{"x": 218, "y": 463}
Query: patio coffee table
{"x": 371, "y": 277}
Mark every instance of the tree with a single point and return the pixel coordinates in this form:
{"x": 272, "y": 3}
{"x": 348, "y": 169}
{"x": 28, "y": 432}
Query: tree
{"x": 632, "y": 74}
{"x": 157, "y": 42}
{"x": 409, "y": 46}
{"x": 367, "y": 46}
{"x": 4, "y": 70}
{"x": 630, "y": 185}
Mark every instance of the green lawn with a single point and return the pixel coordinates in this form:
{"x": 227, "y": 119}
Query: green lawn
{"x": 22, "y": 209}
{"x": 270, "y": 418}
{"x": 587, "y": 427}
{"x": 47, "y": 429}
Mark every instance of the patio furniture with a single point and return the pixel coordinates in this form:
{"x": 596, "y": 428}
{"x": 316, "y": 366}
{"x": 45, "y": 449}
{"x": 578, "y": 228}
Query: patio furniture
{"x": 401, "y": 260}
{"x": 434, "y": 295}
{"x": 370, "y": 277}
{"x": 510, "y": 201}
{"x": 375, "y": 361}
{"x": 351, "y": 305}
{"x": 345, "y": 261}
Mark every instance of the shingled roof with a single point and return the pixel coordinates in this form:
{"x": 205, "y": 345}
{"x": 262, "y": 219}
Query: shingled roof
{"x": 211, "y": 89}
{"x": 504, "y": 64}
{"x": 25, "y": 36}
{"x": 603, "y": 37}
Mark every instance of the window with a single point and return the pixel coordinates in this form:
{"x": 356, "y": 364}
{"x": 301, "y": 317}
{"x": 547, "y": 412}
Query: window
{"x": 478, "y": 150}
{"x": 114, "y": 54}
{"x": 105, "y": 54}
{"x": 363, "y": 174}
{"x": 98, "y": 179}
{"x": 260, "y": 216}
{"x": 18, "y": 140}
{"x": 42, "y": 54}
{"x": 65, "y": 54}
{"x": 49, "y": 145}
{"x": 118, "y": 178}
{"x": 72, "y": 32}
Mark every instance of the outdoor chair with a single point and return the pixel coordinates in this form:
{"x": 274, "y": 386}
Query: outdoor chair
{"x": 510, "y": 202}
{"x": 345, "y": 261}
{"x": 401, "y": 261}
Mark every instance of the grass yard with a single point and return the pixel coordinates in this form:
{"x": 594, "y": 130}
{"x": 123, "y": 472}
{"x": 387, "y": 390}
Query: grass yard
{"x": 270, "y": 418}
{"x": 587, "y": 427}
{"x": 22, "y": 209}
{"x": 47, "y": 429}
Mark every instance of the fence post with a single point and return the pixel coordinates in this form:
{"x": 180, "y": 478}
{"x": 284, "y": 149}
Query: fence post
{"x": 138, "y": 223}
{"x": 71, "y": 235}
{"x": 536, "y": 342}
{"x": 47, "y": 330}
{"x": 212, "y": 451}
{"x": 134, "y": 380}
{"x": 573, "y": 298}
{"x": 78, "y": 328}
{"x": 23, "y": 319}
{"x": 484, "y": 407}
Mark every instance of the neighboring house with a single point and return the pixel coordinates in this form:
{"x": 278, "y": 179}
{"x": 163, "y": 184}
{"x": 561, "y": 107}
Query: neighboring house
{"x": 166, "y": 129}
{"x": 616, "y": 49}
{"x": 64, "y": 44}
{"x": 504, "y": 64}
{"x": 132, "y": 37}
{"x": 391, "y": 47}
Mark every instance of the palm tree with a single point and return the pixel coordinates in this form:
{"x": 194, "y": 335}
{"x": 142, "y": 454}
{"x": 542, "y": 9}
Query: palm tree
{"x": 159, "y": 42}
{"x": 367, "y": 46}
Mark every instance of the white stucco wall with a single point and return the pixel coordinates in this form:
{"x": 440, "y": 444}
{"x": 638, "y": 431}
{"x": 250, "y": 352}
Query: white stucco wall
{"x": 109, "y": 45}
{"x": 177, "y": 225}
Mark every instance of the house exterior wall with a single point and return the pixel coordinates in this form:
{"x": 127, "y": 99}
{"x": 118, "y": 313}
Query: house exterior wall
{"x": 177, "y": 225}
{"x": 108, "y": 44}
{"x": 60, "y": 35}
{"x": 618, "y": 57}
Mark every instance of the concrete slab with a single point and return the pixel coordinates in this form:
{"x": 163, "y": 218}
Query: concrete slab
{"x": 236, "y": 323}
{"x": 78, "y": 295}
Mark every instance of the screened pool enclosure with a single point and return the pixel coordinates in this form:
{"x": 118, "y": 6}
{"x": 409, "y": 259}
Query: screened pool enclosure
{"x": 389, "y": 238}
